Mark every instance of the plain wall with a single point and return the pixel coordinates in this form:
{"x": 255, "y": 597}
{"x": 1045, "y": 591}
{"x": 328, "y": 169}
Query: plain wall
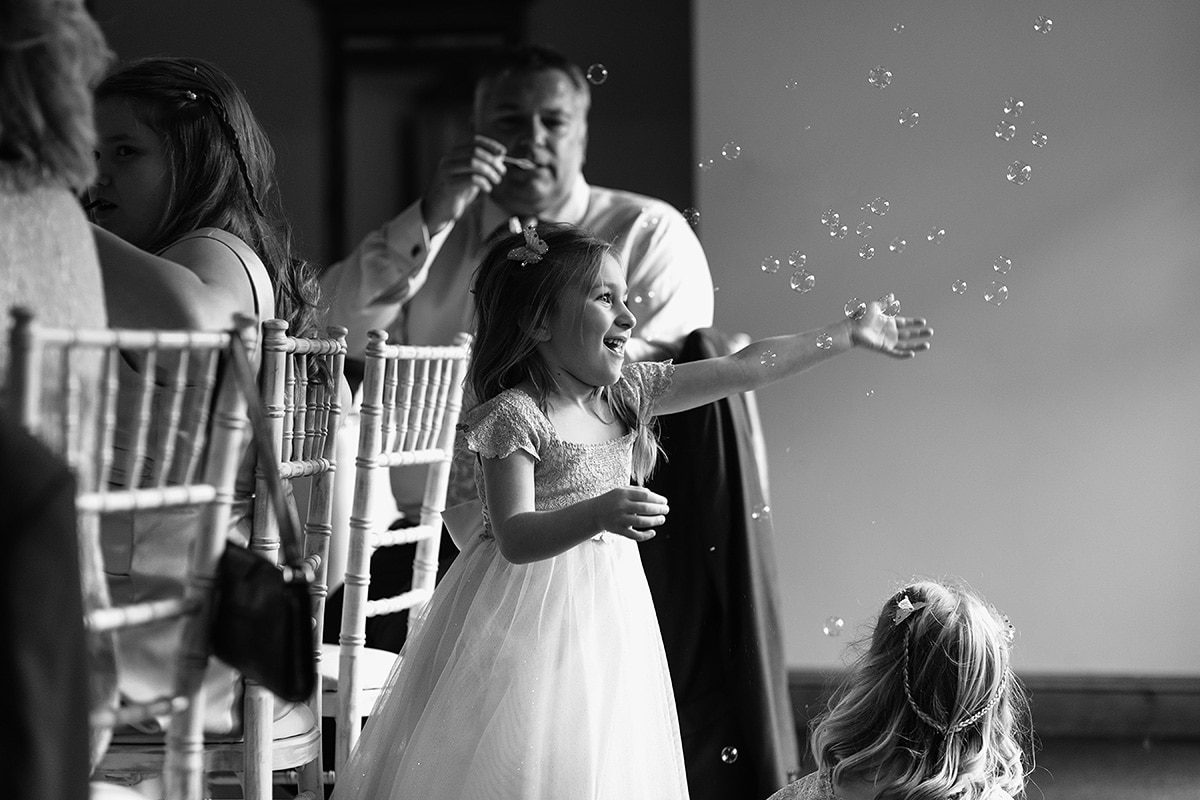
{"x": 1045, "y": 450}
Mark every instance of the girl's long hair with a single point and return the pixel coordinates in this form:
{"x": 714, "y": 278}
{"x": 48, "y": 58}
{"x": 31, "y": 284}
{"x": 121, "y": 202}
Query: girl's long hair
{"x": 51, "y": 56}
{"x": 512, "y": 301}
{"x": 955, "y": 653}
{"x": 222, "y": 169}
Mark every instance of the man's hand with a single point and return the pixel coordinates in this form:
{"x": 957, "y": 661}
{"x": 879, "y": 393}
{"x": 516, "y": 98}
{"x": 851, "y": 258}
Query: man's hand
{"x": 462, "y": 174}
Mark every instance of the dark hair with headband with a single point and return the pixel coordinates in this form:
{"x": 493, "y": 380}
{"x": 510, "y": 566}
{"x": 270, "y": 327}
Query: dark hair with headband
{"x": 221, "y": 168}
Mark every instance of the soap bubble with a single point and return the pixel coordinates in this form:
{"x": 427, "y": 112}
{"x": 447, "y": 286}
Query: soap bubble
{"x": 824, "y": 341}
{"x": 731, "y": 150}
{"x": 936, "y": 235}
{"x": 897, "y": 245}
{"x": 761, "y": 511}
{"x": 855, "y": 308}
{"x": 878, "y": 206}
{"x": 1014, "y": 106}
{"x": 792, "y": 85}
{"x": 959, "y": 287}
{"x": 838, "y": 231}
{"x": 833, "y": 626}
{"x": 797, "y": 259}
{"x": 692, "y": 216}
{"x": 898, "y": 27}
{"x": 879, "y": 77}
{"x": 729, "y": 754}
{"x": 1019, "y": 172}
{"x": 1039, "y": 139}
{"x": 1002, "y": 265}
{"x": 770, "y": 265}
{"x": 996, "y": 293}
{"x": 830, "y": 218}
{"x": 597, "y": 74}
{"x": 803, "y": 281}
{"x": 909, "y": 117}
{"x": 1005, "y": 130}
{"x": 706, "y": 164}
{"x": 1043, "y": 24}
{"x": 870, "y": 392}
{"x": 864, "y": 229}
{"x": 866, "y": 252}
{"x": 889, "y": 306}
{"x": 637, "y": 299}
{"x": 768, "y": 358}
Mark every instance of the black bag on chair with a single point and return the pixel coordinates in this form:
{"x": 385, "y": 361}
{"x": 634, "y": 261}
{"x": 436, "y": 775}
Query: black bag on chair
{"x": 262, "y": 621}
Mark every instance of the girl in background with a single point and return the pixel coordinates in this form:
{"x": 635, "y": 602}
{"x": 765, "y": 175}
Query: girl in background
{"x": 931, "y": 711}
{"x": 539, "y": 671}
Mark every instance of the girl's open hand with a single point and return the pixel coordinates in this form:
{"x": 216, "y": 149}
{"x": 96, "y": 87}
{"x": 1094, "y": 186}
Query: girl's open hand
{"x": 631, "y": 511}
{"x": 898, "y": 337}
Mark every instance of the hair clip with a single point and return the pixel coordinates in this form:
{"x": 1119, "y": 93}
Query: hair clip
{"x": 905, "y": 608}
{"x": 532, "y": 251}
{"x": 1010, "y": 631}
{"x": 190, "y": 95}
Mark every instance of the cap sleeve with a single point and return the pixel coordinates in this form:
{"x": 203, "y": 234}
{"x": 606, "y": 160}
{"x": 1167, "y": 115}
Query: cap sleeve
{"x": 503, "y": 425}
{"x": 645, "y": 382}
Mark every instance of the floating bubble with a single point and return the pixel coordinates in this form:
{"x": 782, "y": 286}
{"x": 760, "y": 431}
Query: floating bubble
{"x": 1043, "y": 24}
{"x": 879, "y": 77}
{"x": 797, "y": 259}
{"x": 866, "y": 252}
{"x": 1014, "y": 106}
{"x": 889, "y": 306}
{"x": 768, "y": 358}
{"x": 897, "y": 245}
{"x": 855, "y": 308}
{"x": 761, "y": 511}
{"x": 830, "y": 218}
{"x": 1002, "y": 265}
{"x": 1039, "y": 139}
{"x": 898, "y": 27}
{"x": 824, "y": 341}
{"x": 770, "y": 265}
{"x": 731, "y": 150}
{"x": 1005, "y": 131}
{"x": 706, "y": 164}
{"x": 729, "y": 754}
{"x": 838, "y": 231}
{"x": 909, "y": 117}
{"x": 792, "y": 85}
{"x": 833, "y": 626}
{"x": 936, "y": 235}
{"x": 692, "y": 216}
{"x": 803, "y": 281}
{"x": 637, "y": 299}
{"x": 651, "y": 222}
{"x": 1019, "y": 172}
{"x": 597, "y": 74}
{"x": 870, "y": 392}
{"x": 864, "y": 229}
{"x": 959, "y": 286}
{"x": 996, "y": 293}
{"x": 878, "y": 206}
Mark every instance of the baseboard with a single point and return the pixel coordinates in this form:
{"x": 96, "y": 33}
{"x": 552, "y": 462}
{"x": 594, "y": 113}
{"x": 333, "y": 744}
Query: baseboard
{"x": 1075, "y": 706}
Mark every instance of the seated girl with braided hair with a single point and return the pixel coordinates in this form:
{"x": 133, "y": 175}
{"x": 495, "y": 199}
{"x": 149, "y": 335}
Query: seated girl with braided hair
{"x": 930, "y": 711}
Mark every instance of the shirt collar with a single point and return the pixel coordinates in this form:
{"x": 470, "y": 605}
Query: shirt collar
{"x": 572, "y": 209}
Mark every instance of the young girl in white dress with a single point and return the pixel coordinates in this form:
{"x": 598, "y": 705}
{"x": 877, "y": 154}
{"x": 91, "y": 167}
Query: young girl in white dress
{"x": 930, "y": 711}
{"x": 539, "y": 671}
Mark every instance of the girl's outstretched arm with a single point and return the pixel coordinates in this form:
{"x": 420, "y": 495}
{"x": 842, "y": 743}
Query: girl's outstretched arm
{"x": 769, "y": 360}
{"x": 524, "y": 535}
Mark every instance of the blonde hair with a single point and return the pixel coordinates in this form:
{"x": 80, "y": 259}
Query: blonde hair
{"x": 931, "y": 709}
{"x": 52, "y": 53}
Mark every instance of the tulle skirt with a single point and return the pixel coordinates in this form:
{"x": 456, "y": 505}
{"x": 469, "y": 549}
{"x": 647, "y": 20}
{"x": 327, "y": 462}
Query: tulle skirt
{"x": 527, "y": 682}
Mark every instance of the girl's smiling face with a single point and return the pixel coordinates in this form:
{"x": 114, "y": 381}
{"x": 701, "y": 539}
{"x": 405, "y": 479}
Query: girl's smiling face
{"x": 585, "y": 336}
{"x": 133, "y": 184}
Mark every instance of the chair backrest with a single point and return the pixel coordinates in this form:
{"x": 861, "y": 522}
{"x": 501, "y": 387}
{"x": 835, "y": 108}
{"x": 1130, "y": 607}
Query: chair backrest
{"x": 147, "y": 420}
{"x": 298, "y": 380}
{"x": 411, "y": 400}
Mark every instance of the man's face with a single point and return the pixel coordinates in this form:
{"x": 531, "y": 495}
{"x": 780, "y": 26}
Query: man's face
{"x": 541, "y": 117}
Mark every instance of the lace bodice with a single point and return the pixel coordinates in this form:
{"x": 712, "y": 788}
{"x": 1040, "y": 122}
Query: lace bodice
{"x": 565, "y": 472}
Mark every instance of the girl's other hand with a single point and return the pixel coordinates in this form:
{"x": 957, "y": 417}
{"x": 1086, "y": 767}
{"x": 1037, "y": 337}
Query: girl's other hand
{"x": 630, "y": 511}
{"x": 896, "y": 336}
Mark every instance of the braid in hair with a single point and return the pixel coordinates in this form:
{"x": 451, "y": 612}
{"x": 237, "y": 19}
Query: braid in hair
{"x": 234, "y": 144}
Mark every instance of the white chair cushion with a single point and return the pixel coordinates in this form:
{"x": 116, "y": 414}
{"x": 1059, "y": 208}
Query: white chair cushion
{"x": 374, "y": 667}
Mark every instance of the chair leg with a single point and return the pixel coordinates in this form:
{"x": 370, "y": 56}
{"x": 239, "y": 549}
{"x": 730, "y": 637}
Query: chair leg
{"x": 259, "y": 724}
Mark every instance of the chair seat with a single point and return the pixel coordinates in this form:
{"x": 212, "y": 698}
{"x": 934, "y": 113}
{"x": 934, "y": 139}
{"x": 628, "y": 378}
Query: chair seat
{"x": 374, "y": 667}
